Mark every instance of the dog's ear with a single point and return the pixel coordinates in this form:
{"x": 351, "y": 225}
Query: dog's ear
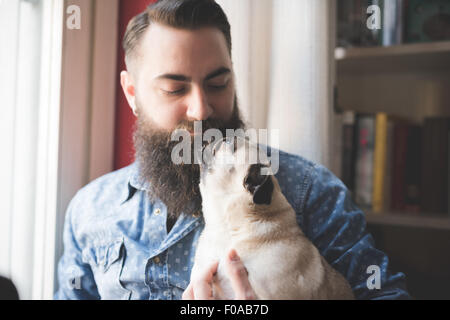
{"x": 260, "y": 186}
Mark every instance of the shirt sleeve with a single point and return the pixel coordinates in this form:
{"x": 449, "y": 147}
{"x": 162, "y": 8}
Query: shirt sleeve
{"x": 337, "y": 227}
{"x": 76, "y": 281}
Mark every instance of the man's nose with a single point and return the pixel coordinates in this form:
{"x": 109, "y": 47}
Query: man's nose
{"x": 198, "y": 106}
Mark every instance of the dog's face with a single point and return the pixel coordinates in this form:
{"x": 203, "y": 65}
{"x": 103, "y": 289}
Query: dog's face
{"x": 233, "y": 167}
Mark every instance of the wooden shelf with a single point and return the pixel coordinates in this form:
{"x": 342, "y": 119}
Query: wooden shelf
{"x": 405, "y": 57}
{"x": 421, "y": 220}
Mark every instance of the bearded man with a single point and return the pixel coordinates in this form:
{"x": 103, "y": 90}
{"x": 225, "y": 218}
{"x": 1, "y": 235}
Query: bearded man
{"x": 131, "y": 234}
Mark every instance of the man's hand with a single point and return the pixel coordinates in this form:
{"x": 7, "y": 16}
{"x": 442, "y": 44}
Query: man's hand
{"x": 201, "y": 288}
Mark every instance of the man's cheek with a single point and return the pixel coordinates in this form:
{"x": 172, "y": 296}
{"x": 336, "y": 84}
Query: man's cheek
{"x": 169, "y": 118}
{"x": 222, "y": 106}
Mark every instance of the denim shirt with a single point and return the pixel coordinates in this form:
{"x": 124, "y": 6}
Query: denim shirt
{"x": 116, "y": 245}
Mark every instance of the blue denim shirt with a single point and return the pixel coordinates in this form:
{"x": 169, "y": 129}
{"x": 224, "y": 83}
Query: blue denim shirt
{"x": 116, "y": 245}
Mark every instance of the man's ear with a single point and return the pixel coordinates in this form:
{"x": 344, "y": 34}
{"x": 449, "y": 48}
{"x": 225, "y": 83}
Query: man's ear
{"x": 128, "y": 87}
{"x": 260, "y": 186}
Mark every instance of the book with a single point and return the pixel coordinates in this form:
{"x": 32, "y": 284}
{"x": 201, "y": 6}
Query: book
{"x": 353, "y": 20}
{"x": 348, "y": 150}
{"x": 372, "y": 33}
{"x": 435, "y": 158}
{"x": 365, "y": 127}
{"x": 393, "y": 22}
{"x": 398, "y": 166}
{"x": 427, "y": 21}
{"x": 379, "y": 169}
{"x": 412, "y": 186}
{"x": 388, "y": 170}
{"x": 348, "y": 24}
{"x": 406, "y": 167}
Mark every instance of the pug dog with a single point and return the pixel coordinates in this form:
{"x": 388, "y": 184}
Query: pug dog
{"x": 244, "y": 209}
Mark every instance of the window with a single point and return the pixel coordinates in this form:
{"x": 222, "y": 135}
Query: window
{"x": 30, "y": 31}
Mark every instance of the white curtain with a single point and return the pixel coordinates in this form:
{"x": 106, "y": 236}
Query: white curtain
{"x": 23, "y": 21}
{"x": 283, "y": 60}
{"x": 29, "y": 128}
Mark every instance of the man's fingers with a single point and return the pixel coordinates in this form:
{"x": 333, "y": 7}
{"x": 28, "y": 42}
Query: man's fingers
{"x": 203, "y": 290}
{"x": 203, "y": 285}
{"x": 211, "y": 271}
{"x": 200, "y": 288}
{"x": 239, "y": 277}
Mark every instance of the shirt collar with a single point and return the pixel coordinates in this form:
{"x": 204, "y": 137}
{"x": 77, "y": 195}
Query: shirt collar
{"x": 136, "y": 181}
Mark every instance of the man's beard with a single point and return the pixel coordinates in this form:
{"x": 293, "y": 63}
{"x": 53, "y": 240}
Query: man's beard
{"x": 176, "y": 185}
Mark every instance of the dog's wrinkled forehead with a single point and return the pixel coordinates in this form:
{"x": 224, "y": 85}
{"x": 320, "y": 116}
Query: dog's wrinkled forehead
{"x": 238, "y": 163}
{"x": 233, "y": 151}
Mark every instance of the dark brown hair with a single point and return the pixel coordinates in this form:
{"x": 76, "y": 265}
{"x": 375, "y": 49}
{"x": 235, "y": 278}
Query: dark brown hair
{"x": 183, "y": 14}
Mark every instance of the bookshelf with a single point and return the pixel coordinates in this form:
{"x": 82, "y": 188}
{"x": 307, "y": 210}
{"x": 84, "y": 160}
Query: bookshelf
{"x": 402, "y": 219}
{"x": 410, "y": 81}
{"x": 404, "y": 57}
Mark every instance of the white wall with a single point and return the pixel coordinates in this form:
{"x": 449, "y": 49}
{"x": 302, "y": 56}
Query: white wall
{"x": 87, "y": 102}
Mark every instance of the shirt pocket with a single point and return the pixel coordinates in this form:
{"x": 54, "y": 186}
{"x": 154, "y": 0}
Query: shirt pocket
{"x": 178, "y": 284}
{"x": 106, "y": 261}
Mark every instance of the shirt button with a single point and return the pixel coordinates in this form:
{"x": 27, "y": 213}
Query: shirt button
{"x": 157, "y": 211}
{"x": 196, "y": 214}
{"x": 157, "y": 260}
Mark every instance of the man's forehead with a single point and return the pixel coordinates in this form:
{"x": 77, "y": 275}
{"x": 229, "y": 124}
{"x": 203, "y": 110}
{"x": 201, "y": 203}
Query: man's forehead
{"x": 168, "y": 50}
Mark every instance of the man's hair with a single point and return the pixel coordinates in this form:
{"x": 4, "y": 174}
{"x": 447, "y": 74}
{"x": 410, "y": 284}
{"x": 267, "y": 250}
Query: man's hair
{"x": 182, "y": 14}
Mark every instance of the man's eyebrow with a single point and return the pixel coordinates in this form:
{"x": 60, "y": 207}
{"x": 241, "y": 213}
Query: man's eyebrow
{"x": 176, "y": 77}
{"x": 217, "y": 73}
{"x": 180, "y": 77}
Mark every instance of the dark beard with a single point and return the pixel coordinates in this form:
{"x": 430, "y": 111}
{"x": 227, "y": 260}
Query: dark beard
{"x": 177, "y": 186}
